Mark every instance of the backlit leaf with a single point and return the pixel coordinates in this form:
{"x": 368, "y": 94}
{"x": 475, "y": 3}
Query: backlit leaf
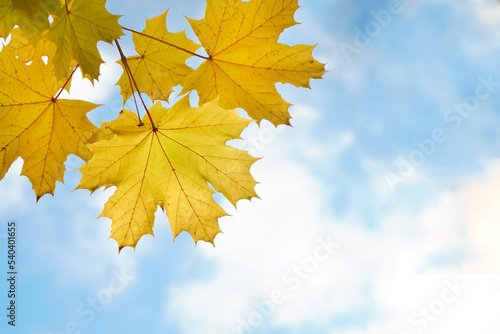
{"x": 245, "y": 59}
{"x": 160, "y": 64}
{"x": 32, "y": 16}
{"x": 40, "y": 129}
{"x": 171, "y": 167}
{"x": 76, "y": 29}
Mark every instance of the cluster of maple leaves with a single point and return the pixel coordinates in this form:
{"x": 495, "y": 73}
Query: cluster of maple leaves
{"x": 174, "y": 158}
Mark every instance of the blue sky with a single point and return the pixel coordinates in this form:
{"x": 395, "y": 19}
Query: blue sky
{"x": 378, "y": 212}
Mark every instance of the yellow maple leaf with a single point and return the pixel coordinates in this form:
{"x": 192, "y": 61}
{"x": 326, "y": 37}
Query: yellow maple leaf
{"x": 76, "y": 29}
{"x": 170, "y": 165}
{"x": 245, "y": 60}
{"x": 26, "y": 51}
{"x": 22, "y": 48}
{"x": 160, "y": 64}
{"x": 6, "y": 18}
{"x": 36, "y": 126}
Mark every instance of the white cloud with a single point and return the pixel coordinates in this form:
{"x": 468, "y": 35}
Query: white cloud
{"x": 265, "y": 238}
{"x": 260, "y": 243}
{"x": 98, "y": 92}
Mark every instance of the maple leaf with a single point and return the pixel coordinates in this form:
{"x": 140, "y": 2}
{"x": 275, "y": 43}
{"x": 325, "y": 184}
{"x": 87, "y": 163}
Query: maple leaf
{"x": 33, "y": 16}
{"x": 245, "y": 60}
{"x": 37, "y": 126}
{"x": 170, "y": 165}
{"x": 160, "y": 64}
{"x": 23, "y": 49}
{"x": 6, "y": 18}
{"x": 76, "y": 29}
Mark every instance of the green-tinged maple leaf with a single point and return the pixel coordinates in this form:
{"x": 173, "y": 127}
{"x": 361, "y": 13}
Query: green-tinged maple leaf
{"x": 245, "y": 59}
{"x": 36, "y": 126}
{"x": 32, "y": 16}
{"x": 160, "y": 64}
{"x": 170, "y": 166}
{"x": 76, "y": 29}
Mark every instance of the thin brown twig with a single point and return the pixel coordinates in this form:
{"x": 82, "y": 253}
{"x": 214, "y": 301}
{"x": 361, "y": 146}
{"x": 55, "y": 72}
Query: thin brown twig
{"x": 165, "y": 42}
{"x": 65, "y": 84}
{"x": 129, "y": 75}
{"x": 133, "y": 84}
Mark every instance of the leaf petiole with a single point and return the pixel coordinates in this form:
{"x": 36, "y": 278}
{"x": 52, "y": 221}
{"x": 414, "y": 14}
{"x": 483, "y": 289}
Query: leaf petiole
{"x": 133, "y": 84}
{"x": 54, "y": 99}
{"x": 165, "y": 42}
